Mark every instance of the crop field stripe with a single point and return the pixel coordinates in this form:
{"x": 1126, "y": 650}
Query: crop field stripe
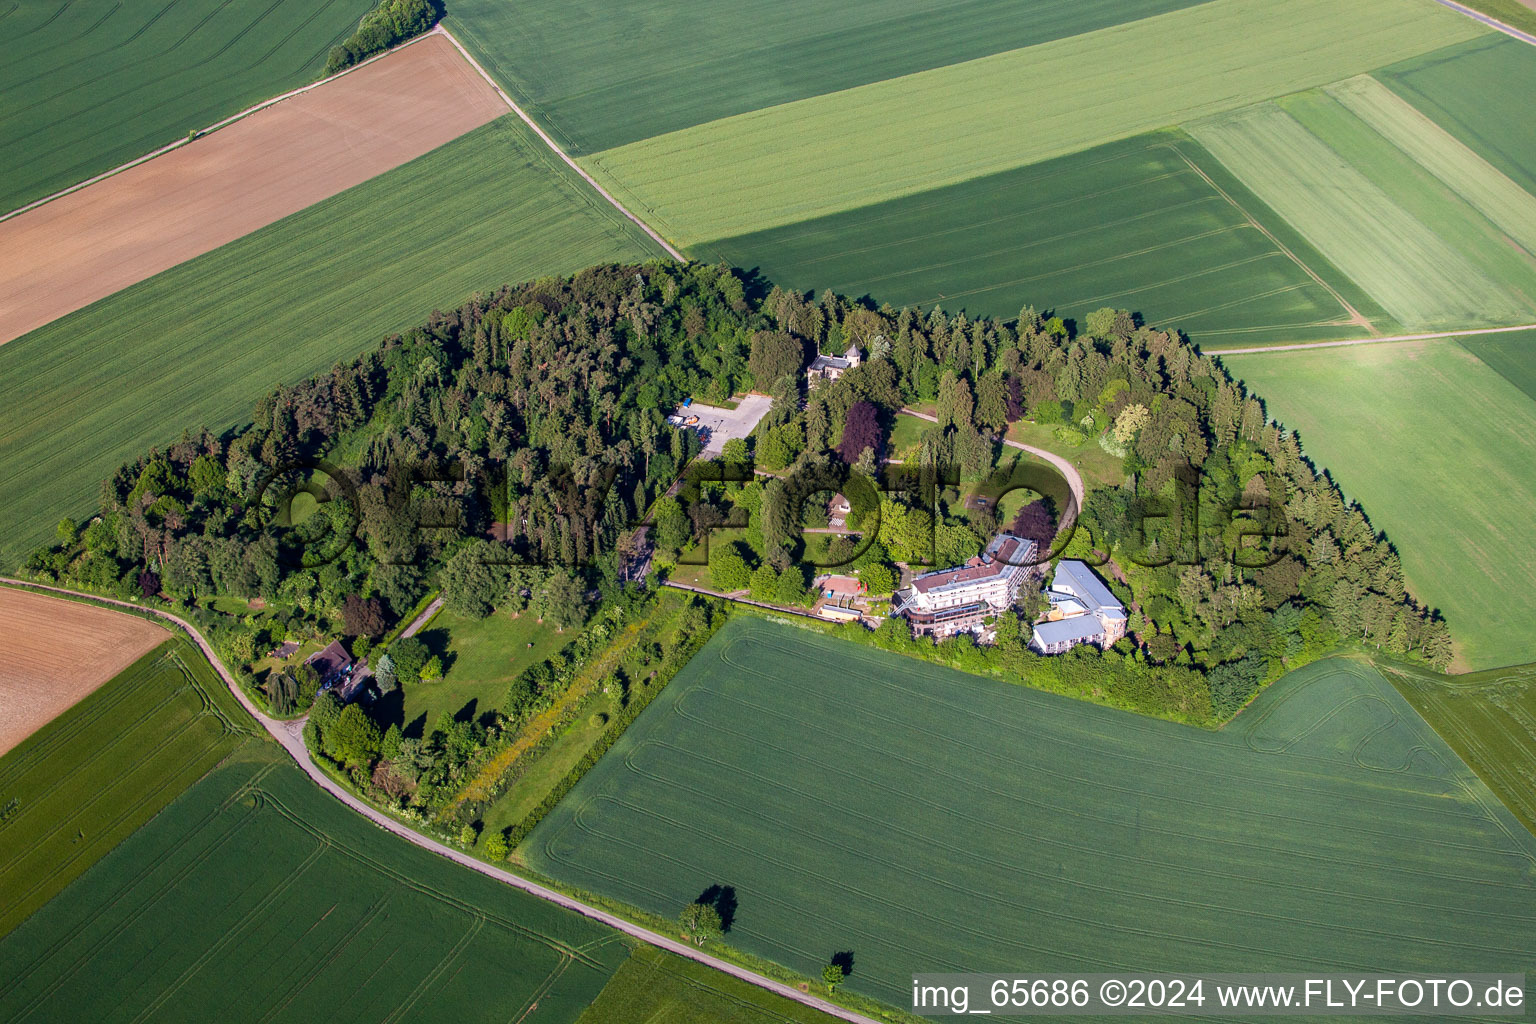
{"x": 866, "y": 759}
{"x": 1512, "y": 356}
{"x": 86, "y": 90}
{"x": 255, "y": 854}
{"x": 1441, "y": 209}
{"x": 1353, "y": 221}
{"x": 1479, "y": 91}
{"x": 161, "y": 754}
{"x": 837, "y": 152}
{"x": 1153, "y": 224}
{"x": 597, "y": 77}
{"x": 1482, "y": 185}
{"x": 1439, "y": 448}
{"x": 216, "y": 333}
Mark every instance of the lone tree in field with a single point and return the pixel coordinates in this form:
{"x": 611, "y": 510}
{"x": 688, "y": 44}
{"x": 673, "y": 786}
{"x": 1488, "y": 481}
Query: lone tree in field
{"x": 701, "y": 923}
{"x": 832, "y": 974}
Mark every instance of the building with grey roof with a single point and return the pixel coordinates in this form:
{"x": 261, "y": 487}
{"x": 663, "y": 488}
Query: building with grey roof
{"x": 1083, "y": 610}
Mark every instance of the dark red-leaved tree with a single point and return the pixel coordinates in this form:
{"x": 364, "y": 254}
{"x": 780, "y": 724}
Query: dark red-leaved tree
{"x": 1035, "y": 522}
{"x": 860, "y": 430}
{"x": 362, "y": 617}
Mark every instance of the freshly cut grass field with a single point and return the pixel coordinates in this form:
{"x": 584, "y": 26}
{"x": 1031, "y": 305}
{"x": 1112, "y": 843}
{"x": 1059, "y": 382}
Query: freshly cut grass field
{"x": 1512, "y": 356}
{"x": 1508, "y": 206}
{"x": 256, "y": 897}
{"x": 920, "y": 131}
{"x": 599, "y": 75}
{"x": 1152, "y": 224}
{"x": 1480, "y": 92}
{"x": 85, "y": 87}
{"x": 91, "y": 777}
{"x": 1410, "y": 242}
{"x": 200, "y": 343}
{"x": 929, "y": 820}
{"x": 1441, "y": 452}
{"x": 654, "y": 987}
{"x": 1489, "y": 719}
{"x": 483, "y": 656}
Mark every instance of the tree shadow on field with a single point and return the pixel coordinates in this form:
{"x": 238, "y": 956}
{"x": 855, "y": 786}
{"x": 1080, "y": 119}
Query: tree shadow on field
{"x": 843, "y": 959}
{"x": 417, "y": 729}
{"x": 723, "y": 899}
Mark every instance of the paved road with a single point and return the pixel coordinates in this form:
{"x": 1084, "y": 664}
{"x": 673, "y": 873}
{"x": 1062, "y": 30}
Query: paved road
{"x": 422, "y": 619}
{"x": 1256, "y": 349}
{"x": 291, "y": 736}
{"x": 1524, "y": 37}
{"x": 1074, "y": 478}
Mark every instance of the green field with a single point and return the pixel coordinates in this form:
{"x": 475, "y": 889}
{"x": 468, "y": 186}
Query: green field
{"x": 85, "y": 87}
{"x": 1479, "y": 91}
{"x": 924, "y": 819}
{"x": 1489, "y": 718}
{"x": 1438, "y": 449}
{"x": 200, "y": 343}
{"x": 1507, "y": 206}
{"x": 88, "y": 779}
{"x": 917, "y": 132}
{"x": 653, "y": 987}
{"x": 599, "y": 76}
{"x": 1411, "y": 242}
{"x": 1152, "y": 224}
{"x": 1512, "y": 356}
{"x": 483, "y": 656}
{"x": 256, "y": 897}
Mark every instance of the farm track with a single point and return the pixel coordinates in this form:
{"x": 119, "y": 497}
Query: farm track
{"x": 544, "y": 137}
{"x": 290, "y": 736}
{"x": 1430, "y": 336}
{"x": 1491, "y": 22}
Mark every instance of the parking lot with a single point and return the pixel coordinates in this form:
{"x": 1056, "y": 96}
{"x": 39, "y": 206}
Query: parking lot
{"x": 717, "y": 425}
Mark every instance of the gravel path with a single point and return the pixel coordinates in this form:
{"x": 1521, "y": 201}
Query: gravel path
{"x": 1256, "y": 349}
{"x": 561, "y": 153}
{"x": 1074, "y": 478}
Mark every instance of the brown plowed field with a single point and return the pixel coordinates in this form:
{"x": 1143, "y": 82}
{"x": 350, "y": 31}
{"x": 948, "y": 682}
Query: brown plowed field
{"x": 54, "y": 652}
{"x": 84, "y": 246}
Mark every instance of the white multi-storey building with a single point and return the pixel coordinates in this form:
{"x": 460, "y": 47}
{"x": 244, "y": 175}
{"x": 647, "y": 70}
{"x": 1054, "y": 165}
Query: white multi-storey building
{"x": 958, "y": 600}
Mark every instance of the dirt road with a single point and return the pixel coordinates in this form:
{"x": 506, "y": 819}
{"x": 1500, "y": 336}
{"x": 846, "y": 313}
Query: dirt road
{"x": 1074, "y": 478}
{"x": 291, "y": 736}
{"x": 1256, "y": 349}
